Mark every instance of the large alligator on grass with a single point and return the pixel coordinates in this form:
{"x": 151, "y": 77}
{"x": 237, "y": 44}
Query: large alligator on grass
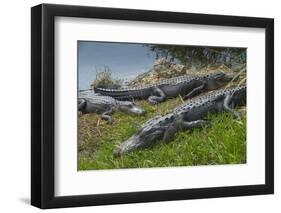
{"x": 190, "y": 114}
{"x": 185, "y": 86}
{"x": 89, "y": 102}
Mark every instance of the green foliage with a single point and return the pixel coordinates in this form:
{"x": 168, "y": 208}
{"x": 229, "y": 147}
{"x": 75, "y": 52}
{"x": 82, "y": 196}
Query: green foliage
{"x": 199, "y": 57}
{"x": 224, "y": 142}
{"x": 104, "y": 79}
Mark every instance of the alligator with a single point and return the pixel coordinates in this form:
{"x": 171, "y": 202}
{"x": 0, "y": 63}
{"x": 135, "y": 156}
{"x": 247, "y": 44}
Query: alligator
{"x": 89, "y": 102}
{"x": 186, "y": 116}
{"x": 186, "y": 86}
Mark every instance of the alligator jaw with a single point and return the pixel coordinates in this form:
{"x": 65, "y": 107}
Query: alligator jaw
{"x": 129, "y": 145}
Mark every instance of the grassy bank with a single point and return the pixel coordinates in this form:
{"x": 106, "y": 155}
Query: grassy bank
{"x": 224, "y": 142}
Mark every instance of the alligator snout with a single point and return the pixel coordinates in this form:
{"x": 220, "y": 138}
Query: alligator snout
{"x": 130, "y": 144}
{"x": 138, "y": 110}
{"x": 229, "y": 76}
{"x": 129, "y": 107}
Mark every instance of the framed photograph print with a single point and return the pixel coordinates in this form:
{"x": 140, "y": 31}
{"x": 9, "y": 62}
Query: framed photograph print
{"x": 140, "y": 106}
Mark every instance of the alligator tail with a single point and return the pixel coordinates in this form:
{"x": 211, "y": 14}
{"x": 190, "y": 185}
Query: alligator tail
{"x": 122, "y": 94}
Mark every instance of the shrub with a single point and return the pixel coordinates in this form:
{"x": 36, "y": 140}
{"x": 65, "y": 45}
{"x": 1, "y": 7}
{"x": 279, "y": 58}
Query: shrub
{"x": 104, "y": 79}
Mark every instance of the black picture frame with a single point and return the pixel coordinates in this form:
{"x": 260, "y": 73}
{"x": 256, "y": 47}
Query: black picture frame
{"x": 43, "y": 117}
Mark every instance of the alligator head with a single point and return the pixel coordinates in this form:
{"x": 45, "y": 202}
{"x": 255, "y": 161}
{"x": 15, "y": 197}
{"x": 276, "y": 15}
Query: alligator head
{"x": 142, "y": 139}
{"x": 130, "y": 107}
{"x": 147, "y": 136}
{"x": 218, "y": 79}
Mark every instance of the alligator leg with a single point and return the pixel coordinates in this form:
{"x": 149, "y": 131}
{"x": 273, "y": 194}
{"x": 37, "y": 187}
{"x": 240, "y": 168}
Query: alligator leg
{"x": 106, "y": 116}
{"x": 159, "y": 97}
{"x": 226, "y": 105}
{"x": 181, "y": 126}
{"x": 195, "y": 91}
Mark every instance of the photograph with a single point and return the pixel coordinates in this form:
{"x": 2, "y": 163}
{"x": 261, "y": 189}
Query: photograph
{"x": 132, "y": 105}
{"x": 142, "y": 105}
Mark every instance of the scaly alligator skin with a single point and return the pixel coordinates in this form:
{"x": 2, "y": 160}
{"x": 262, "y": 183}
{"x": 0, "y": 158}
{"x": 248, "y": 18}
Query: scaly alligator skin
{"x": 184, "y": 117}
{"x": 89, "y": 102}
{"x": 186, "y": 86}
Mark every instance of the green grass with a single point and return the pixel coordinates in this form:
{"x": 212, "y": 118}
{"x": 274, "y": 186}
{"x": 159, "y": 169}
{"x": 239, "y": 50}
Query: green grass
{"x": 223, "y": 142}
